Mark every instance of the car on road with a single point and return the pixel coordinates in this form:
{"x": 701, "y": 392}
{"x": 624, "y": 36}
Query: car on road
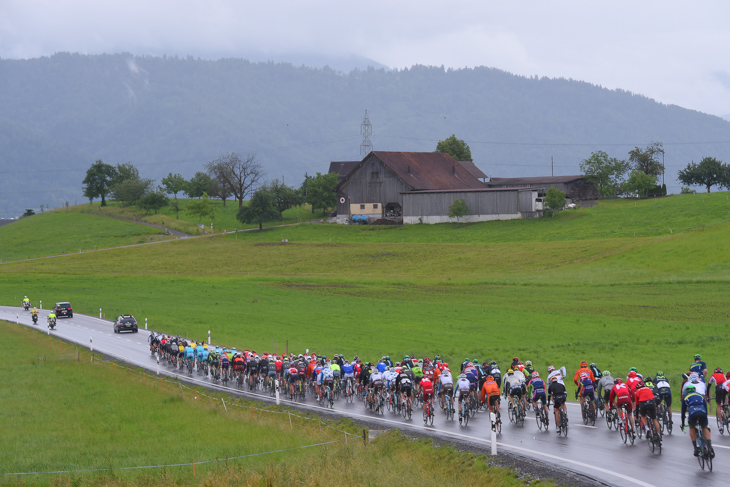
{"x": 63, "y": 309}
{"x": 125, "y": 323}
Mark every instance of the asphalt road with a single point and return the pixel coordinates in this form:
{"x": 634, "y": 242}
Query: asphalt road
{"x": 594, "y": 452}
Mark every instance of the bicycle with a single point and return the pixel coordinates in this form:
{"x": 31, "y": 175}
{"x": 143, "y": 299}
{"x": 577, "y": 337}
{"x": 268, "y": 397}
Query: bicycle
{"x": 665, "y": 420}
{"x": 407, "y": 409}
{"x": 464, "y": 410}
{"x": 381, "y": 403}
{"x": 612, "y": 419}
{"x": 723, "y": 422}
{"x": 349, "y": 393}
{"x": 563, "y": 426}
{"x": 588, "y": 411}
{"x": 600, "y": 405}
{"x": 429, "y": 414}
{"x": 705, "y": 456}
{"x": 497, "y": 426}
{"x": 329, "y": 397}
{"x": 541, "y": 417}
{"x": 449, "y": 407}
{"x": 516, "y": 413}
{"x": 625, "y": 427}
{"x": 653, "y": 438}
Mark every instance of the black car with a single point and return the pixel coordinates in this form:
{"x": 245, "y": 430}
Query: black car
{"x": 125, "y": 323}
{"x": 63, "y": 309}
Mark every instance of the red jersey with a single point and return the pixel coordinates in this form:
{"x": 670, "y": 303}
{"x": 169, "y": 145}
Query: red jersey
{"x": 632, "y": 382}
{"x": 426, "y": 386}
{"x": 719, "y": 379}
{"x": 644, "y": 394}
{"x": 278, "y": 365}
{"x": 620, "y": 393}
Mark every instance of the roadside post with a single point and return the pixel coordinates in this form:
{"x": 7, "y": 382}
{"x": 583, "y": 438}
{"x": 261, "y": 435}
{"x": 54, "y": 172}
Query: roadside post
{"x": 40, "y": 305}
{"x": 91, "y": 344}
{"x": 493, "y": 437}
{"x": 145, "y": 323}
{"x": 158, "y": 363}
{"x": 208, "y": 337}
{"x": 99, "y": 313}
{"x": 276, "y": 385}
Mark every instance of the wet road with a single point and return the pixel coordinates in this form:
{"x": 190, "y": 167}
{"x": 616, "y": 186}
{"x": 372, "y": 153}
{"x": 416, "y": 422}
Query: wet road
{"x": 592, "y": 451}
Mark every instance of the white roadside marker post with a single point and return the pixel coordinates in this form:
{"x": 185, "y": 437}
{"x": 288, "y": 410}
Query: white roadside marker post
{"x": 493, "y": 437}
{"x": 276, "y": 384}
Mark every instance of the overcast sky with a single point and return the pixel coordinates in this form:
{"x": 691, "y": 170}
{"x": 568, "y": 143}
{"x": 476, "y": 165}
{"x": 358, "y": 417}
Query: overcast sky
{"x": 674, "y": 51}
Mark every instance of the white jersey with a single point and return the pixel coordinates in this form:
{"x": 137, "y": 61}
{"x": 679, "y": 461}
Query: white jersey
{"x": 463, "y": 385}
{"x": 514, "y": 382}
{"x": 376, "y": 376}
{"x": 446, "y": 380}
{"x": 662, "y": 384}
{"x": 700, "y": 388}
{"x": 390, "y": 376}
{"x": 520, "y": 375}
{"x": 559, "y": 373}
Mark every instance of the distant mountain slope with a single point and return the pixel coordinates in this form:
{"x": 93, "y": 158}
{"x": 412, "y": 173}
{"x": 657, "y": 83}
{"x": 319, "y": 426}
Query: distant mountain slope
{"x": 173, "y": 114}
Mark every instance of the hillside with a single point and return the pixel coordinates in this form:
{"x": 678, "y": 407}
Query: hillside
{"x": 173, "y": 114}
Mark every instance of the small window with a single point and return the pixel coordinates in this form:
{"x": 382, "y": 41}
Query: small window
{"x": 374, "y": 175}
{"x": 375, "y": 206}
{"x": 362, "y": 207}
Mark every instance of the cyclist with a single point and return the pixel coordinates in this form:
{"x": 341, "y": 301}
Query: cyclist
{"x": 239, "y": 364}
{"x": 597, "y": 374}
{"x": 446, "y": 387}
{"x": 557, "y": 391}
{"x": 293, "y": 377}
{"x": 696, "y": 381}
{"x": 694, "y": 404}
{"x": 699, "y": 366}
{"x": 622, "y": 395}
{"x": 490, "y": 393}
{"x": 472, "y": 375}
{"x": 375, "y": 382}
{"x": 587, "y": 392}
{"x": 718, "y": 379}
{"x": 576, "y": 378}
{"x": 515, "y": 387}
{"x": 560, "y": 373}
{"x": 326, "y": 378}
{"x": 536, "y": 388}
{"x": 404, "y": 386}
{"x": 189, "y": 356}
{"x": 605, "y": 384}
{"x": 462, "y": 389}
{"x": 515, "y": 363}
{"x": 663, "y": 392}
{"x": 427, "y": 392}
{"x": 495, "y": 373}
{"x": 647, "y": 407}
{"x": 224, "y": 364}
{"x": 348, "y": 375}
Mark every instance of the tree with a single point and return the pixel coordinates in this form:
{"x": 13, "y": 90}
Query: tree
{"x": 201, "y": 208}
{"x": 174, "y": 183}
{"x": 456, "y": 148}
{"x": 198, "y": 185}
{"x": 319, "y": 190}
{"x": 647, "y": 160}
{"x": 458, "y": 209}
{"x": 605, "y": 172}
{"x": 125, "y": 171}
{"x": 260, "y": 209}
{"x": 555, "y": 199}
{"x": 219, "y": 189}
{"x": 130, "y": 191}
{"x": 708, "y": 173}
{"x": 175, "y": 206}
{"x": 99, "y": 178}
{"x": 639, "y": 182}
{"x": 238, "y": 175}
{"x": 154, "y": 200}
{"x": 284, "y": 196}
{"x": 28, "y": 212}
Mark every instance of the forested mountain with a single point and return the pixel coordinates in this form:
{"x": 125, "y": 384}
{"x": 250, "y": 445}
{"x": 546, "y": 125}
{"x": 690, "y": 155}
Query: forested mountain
{"x": 171, "y": 114}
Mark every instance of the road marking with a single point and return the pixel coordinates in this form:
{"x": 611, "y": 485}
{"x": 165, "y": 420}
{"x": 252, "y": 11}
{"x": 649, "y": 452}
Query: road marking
{"x": 585, "y": 426}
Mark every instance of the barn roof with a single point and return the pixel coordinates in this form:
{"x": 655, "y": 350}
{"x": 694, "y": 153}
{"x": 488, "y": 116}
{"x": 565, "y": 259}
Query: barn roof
{"x": 342, "y": 168}
{"x": 424, "y": 170}
{"x": 473, "y": 169}
{"x": 533, "y": 181}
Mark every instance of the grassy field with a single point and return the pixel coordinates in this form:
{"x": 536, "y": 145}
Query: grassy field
{"x": 490, "y": 290}
{"x": 224, "y": 219}
{"x": 60, "y": 414}
{"x": 62, "y": 232}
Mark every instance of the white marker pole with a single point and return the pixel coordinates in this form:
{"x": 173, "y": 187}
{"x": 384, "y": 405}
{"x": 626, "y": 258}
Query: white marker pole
{"x": 158, "y": 363}
{"x": 208, "y": 337}
{"x": 91, "y": 344}
{"x": 493, "y": 438}
{"x": 99, "y": 313}
{"x": 145, "y": 323}
{"x": 276, "y": 384}
{"x": 40, "y": 305}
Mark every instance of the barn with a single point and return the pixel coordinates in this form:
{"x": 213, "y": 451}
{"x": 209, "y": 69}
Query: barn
{"x": 419, "y": 187}
{"x": 576, "y": 188}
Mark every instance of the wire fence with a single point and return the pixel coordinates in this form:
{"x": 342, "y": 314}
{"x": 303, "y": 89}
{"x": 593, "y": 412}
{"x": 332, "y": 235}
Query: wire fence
{"x": 224, "y": 400}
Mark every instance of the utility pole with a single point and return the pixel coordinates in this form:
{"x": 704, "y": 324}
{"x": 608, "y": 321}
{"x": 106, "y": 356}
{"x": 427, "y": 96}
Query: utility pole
{"x": 552, "y": 166}
{"x": 366, "y": 129}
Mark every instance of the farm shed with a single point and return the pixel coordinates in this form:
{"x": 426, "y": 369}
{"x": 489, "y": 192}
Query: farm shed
{"x": 382, "y": 177}
{"x": 432, "y": 206}
{"x": 576, "y": 188}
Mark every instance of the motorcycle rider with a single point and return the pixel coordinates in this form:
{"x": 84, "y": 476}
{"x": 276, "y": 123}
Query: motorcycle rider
{"x": 51, "y": 318}
{"x": 26, "y": 303}
{"x": 34, "y": 314}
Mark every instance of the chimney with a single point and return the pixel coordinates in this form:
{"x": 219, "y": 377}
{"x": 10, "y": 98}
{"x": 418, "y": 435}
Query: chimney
{"x": 409, "y": 169}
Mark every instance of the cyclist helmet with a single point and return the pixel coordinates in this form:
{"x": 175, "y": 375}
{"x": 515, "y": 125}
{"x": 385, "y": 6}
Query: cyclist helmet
{"x": 536, "y": 374}
{"x": 554, "y": 378}
{"x": 425, "y": 359}
{"x": 718, "y": 370}
{"x": 659, "y": 374}
{"x": 640, "y": 384}
{"x": 606, "y": 373}
{"x": 694, "y": 377}
{"x": 387, "y": 357}
{"x": 551, "y": 368}
{"x": 633, "y": 369}
{"x": 466, "y": 359}
{"x": 462, "y": 376}
{"x": 617, "y": 380}
{"x": 528, "y": 363}
{"x": 698, "y": 356}
{"x": 515, "y": 359}
{"x": 493, "y": 363}
{"x": 583, "y": 363}
{"x": 406, "y": 357}
{"x": 689, "y": 388}
{"x": 727, "y": 374}
{"x": 489, "y": 377}
{"x": 510, "y": 371}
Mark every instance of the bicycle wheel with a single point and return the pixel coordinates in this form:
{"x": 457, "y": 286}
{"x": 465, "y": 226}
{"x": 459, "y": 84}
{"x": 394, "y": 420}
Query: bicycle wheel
{"x": 466, "y": 414}
{"x": 707, "y": 455}
{"x": 594, "y": 414}
{"x": 538, "y": 420}
{"x": 650, "y": 441}
{"x": 701, "y": 455}
{"x": 609, "y": 420}
{"x": 430, "y": 415}
{"x": 563, "y": 424}
{"x": 584, "y": 412}
{"x": 623, "y": 430}
{"x": 632, "y": 436}
{"x": 498, "y": 423}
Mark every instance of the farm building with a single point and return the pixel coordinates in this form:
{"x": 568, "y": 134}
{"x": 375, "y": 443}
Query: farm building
{"x": 576, "y": 188}
{"x": 415, "y": 187}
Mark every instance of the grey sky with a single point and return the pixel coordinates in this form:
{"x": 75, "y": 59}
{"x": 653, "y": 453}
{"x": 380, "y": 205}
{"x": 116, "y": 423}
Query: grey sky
{"x": 674, "y": 51}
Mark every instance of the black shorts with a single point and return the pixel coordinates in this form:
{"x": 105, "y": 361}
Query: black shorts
{"x": 648, "y": 408}
{"x": 406, "y": 390}
{"x": 589, "y": 395}
{"x": 516, "y": 392}
{"x": 700, "y": 419}
{"x": 720, "y": 395}
{"x": 559, "y": 401}
{"x": 494, "y": 400}
{"x": 665, "y": 394}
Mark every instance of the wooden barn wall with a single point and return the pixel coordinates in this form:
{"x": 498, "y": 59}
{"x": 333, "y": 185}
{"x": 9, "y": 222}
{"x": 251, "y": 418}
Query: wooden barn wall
{"x": 479, "y": 203}
{"x": 364, "y": 188}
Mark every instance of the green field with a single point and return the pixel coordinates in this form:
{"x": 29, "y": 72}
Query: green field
{"x": 94, "y": 420}
{"x": 554, "y": 291}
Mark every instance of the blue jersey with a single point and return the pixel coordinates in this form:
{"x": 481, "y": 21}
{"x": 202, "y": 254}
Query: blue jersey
{"x": 189, "y": 352}
{"x": 538, "y": 386}
{"x": 204, "y": 355}
{"x": 199, "y": 351}
{"x": 694, "y": 404}
{"x": 699, "y": 367}
{"x": 348, "y": 369}
{"x": 587, "y": 384}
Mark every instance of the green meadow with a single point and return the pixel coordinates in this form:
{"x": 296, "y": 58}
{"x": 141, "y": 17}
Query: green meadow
{"x": 625, "y": 283}
{"x": 90, "y": 422}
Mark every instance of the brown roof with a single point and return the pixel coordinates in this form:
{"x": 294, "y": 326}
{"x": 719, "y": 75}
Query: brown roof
{"x": 533, "y": 181}
{"x": 342, "y": 168}
{"x": 427, "y": 170}
{"x": 473, "y": 169}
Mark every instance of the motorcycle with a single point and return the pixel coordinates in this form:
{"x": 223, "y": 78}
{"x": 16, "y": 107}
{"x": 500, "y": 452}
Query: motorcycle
{"x": 52, "y": 323}
{"x": 35, "y": 319}
{"x": 26, "y": 306}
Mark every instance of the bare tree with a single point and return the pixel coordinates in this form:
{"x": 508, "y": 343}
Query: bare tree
{"x": 238, "y": 175}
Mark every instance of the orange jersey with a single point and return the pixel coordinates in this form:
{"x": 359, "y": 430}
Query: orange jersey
{"x": 576, "y": 379}
{"x": 489, "y": 389}
{"x": 436, "y": 375}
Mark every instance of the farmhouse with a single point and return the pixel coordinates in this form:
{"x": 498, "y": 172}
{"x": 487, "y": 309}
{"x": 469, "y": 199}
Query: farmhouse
{"x": 419, "y": 187}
